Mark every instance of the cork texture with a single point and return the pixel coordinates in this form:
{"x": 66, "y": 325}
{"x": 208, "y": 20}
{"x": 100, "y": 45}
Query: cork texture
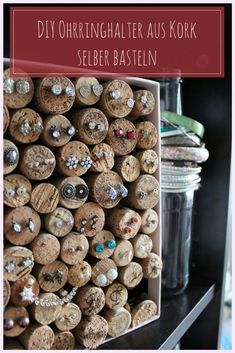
{"x": 17, "y": 190}
{"x": 59, "y": 222}
{"x": 55, "y": 130}
{"x": 147, "y": 135}
{"x": 143, "y": 312}
{"x": 88, "y": 91}
{"x": 89, "y": 219}
{"x": 44, "y": 198}
{"x": 90, "y": 300}
{"x": 74, "y": 248}
{"x": 103, "y": 158}
{"x": 15, "y": 313}
{"x": 10, "y": 156}
{"x": 18, "y": 262}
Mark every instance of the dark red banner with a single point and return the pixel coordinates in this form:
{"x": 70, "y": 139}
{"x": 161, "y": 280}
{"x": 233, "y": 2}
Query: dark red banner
{"x": 138, "y": 41}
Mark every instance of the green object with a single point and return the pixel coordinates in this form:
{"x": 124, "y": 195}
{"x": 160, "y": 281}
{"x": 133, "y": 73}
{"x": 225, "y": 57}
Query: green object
{"x": 99, "y": 247}
{"x": 166, "y": 129}
{"x": 184, "y": 121}
{"x": 111, "y": 244}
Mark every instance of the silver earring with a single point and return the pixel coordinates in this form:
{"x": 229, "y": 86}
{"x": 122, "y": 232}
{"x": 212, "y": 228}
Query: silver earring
{"x": 16, "y": 227}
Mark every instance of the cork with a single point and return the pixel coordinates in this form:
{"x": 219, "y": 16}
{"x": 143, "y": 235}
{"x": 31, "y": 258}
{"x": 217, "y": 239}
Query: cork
{"x": 143, "y": 312}
{"x": 128, "y": 167}
{"x": 116, "y": 296}
{"x": 144, "y": 103}
{"x": 37, "y": 162}
{"x": 144, "y": 192}
{"x": 123, "y": 222}
{"x": 147, "y": 135}
{"x": 117, "y": 99}
{"x": 10, "y": 156}
{"x": 53, "y": 276}
{"x": 57, "y": 130}
{"x": 47, "y": 102}
{"x": 59, "y": 222}
{"x": 122, "y": 136}
{"x": 6, "y": 292}
{"x": 63, "y": 340}
{"x": 69, "y": 317}
{"x": 131, "y": 275}
{"x": 18, "y": 262}
{"x": 45, "y": 248}
{"x": 148, "y": 160}
{"x": 74, "y": 248}
{"x": 88, "y": 91}
{"x": 37, "y": 337}
{"x": 16, "y": 320}
{"x": 21, "y": 225}
{"x": 119, "y": 320}
{"x": 24, "y": 290}
{"x": 6, "y": 118}
{"x": 79, "y": 274}
{"x": 91, "y": 125}
{"x": 104, "y": 272}
{"x": 73, "y": 192}
{"x": 73, "y": 159}
{"x": 44, "y": 198}
{"x": 102, "y": 245}
{"x": 142, "y": 245}
{"x": 25, "y": 125}
{"x": 123, "y": 253}
{"x": 89, "y": 219}
{"x": 18, "y": 91}
{"x": 106, "y": 188}
{"x": 103, "y": 158}
{"x": 45, "y": 315}
{"x": 149, "y": 221}
{"x": 91, "y": 331}
{"x": 90, "y": 300}
{"x": 152, "y": 266}
{"x": 17, "y": 190}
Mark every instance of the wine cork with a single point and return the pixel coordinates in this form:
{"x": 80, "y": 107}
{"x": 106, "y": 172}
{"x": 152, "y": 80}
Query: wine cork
{"x": 131, "y": 275}
{"x": 45, "y": 248}
{"x": 24, "y": 290}
{"x": 148, "y": 160}
{"x": 91, "y": 125}
{"x": 123, "y": 222}
{"x": 147, "y": 135}
{"x": 142, "y": 245}
{"x": 53, "y": 276}
{"x": 90, "y": 299}
{"x": 57, "y": 130}
{"x": 119, "y": 320}
{"x": 73, "y": 159}
{"x": 106, "y": 188}
{"x": 25, "y": 125}
{"x": 149, "y": 221}
{"x": 123, "y": 254}
{"x": 117, "y": 99}
{"x": 102, "y": 156}
{"x": 37, "y": 162}
{"x": 116, "y": 296}
{"x": 6, "y": 292}
{"x": 91, "y": 331}
{"x": 59, "y": 222}
{"x": 18, "y": 262}
{"x": 22, "y": 225}
{"x": 144, "y": 103}
{"x": 104, "y": 272}
{"x": 44, "y": 198}
{"x": 63, "y": 340}
{"x": 74, "y": 248}
{"x": 73, "y": 192}
{"x": 69, "y": 317}
{"x": 102, "y": 245}
{"x": 128, "y": 167}
{"x": 79, "y": 274}
{"x": 88, "y": 90}
{"x": 152, "y": 266}
{"x": 89, "y": 219}
{"x": 122, "y": 136}
{"x": 144, "y": 192}
{"x": 54, "y": 95}
{"x": 16, "y": 320}
{"x": 18, "y": 91}
{"x": 6, "y": 118}
{"x": 17, "y": 190}
{"x": 46, "y": 314}
{"x": 37, "y": 337}
{"x": 143, "y": 312}
{"x": 10, "y": 156}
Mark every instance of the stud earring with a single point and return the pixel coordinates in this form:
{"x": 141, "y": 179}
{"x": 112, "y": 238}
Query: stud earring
{"x": 27, "y": 262}
{"x": 21, "y": 191}
{"x": 48, "y": 277}
{"x": 31, "y": 225}
{"x": 10, "y": 266}
{"x": 116, "y": 94}
{"x": 55, "y": 133}
{"x": 130, "y": 102}
{"x": 16, "y": 227}
{"x": 22, "y": 86}
{"x": 123, "y": 191}
{"x": 27, "y": 294}
{"x": 97, "y": 89}
{"x": 25, "y": 128}
{"x": 112, "y": 192}
{"x": 23, "y": 321}
{"x": 58, "y": 276}
{"x": 8, "y": 86}
{"x": 144, "y": 100}
{"x": 68, "y": 191}
{"x": 10, "y": 192}
{"x": 70, "y": 130}
{"x": 11, "y": 156}
{"x": 82, "y": 191}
